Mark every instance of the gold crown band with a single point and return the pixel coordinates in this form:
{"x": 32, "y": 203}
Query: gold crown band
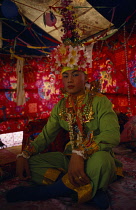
{"x": 67, "y": 68}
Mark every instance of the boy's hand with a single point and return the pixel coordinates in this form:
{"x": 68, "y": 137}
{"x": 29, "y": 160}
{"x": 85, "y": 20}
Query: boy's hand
{"x": 21, "y": 167}
{"x": 76, "y": 172}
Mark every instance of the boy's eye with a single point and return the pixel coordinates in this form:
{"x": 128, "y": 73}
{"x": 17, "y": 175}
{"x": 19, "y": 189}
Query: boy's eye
{"x": 75, "y": 74}
{"x": 65, "y": 76}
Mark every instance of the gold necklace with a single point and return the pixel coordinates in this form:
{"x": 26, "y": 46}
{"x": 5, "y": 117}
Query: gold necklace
{"x": 77, "y": 113}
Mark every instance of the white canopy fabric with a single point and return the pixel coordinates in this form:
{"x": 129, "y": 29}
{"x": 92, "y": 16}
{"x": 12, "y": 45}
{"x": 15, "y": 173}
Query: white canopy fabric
{"x": 89, "y": 20}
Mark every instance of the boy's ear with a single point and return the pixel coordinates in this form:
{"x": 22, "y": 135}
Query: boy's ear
{"x": 86, "y": 77}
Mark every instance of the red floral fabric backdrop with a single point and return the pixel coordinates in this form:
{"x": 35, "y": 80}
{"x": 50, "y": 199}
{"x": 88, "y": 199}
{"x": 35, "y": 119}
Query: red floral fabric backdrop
{"x": 114, "y": 65}
{"x": 41, "y": 93}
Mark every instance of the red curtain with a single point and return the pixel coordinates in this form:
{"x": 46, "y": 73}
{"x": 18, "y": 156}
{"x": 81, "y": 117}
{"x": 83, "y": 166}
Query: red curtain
{"x": 114, "y": 64}
{"x": 41, "y": 93}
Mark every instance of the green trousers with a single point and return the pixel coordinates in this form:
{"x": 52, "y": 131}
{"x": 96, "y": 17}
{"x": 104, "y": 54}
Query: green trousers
{"x": 100, "y": 167}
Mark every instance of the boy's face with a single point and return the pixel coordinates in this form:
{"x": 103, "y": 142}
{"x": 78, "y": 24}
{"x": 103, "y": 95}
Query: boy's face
{"x": 74, "y": 81}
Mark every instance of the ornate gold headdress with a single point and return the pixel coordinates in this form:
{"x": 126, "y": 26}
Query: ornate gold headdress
{"x": 71, "y": 53}
{"x": 69, "y": 56}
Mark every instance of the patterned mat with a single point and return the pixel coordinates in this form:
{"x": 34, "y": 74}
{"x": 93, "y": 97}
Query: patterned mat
{"x": 122, "y": 192}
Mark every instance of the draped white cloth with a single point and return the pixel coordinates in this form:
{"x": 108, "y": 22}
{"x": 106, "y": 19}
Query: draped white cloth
{"x": 20, "y": 82}
{"x": 89, "y": 49}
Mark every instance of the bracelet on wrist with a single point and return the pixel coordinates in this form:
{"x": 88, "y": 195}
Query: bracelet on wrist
{"x": 23, "y": 155}
{"x": 80, "y": 153}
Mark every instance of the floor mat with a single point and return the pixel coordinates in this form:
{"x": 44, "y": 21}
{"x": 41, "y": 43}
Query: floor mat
{"x": 122, "y": 192}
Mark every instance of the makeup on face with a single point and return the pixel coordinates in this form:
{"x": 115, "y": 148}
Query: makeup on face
{"x": 74, "y": 81}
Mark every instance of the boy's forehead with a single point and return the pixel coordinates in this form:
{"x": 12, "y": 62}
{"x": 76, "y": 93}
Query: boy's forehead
{"x": 70, "y": 71}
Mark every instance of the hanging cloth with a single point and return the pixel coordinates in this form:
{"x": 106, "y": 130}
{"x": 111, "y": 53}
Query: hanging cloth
{"x": 89, "y": 49}
{"x": 20, "y": 82}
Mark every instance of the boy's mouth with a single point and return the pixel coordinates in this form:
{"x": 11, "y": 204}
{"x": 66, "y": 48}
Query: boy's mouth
{"x": 71, "y": 86}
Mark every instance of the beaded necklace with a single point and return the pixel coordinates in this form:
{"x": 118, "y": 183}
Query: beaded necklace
{"x": 76, "y": 112}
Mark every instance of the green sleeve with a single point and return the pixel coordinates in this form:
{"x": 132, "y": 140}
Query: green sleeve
{"x": 109, "y": 133}
{"x": 49, "y": 131}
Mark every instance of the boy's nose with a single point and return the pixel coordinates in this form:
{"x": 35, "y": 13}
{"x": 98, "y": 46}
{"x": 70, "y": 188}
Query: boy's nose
{"x": 70, "y": 79}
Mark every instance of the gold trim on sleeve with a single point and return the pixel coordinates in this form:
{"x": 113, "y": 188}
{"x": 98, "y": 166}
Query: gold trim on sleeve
{"x": 29, "y": 150}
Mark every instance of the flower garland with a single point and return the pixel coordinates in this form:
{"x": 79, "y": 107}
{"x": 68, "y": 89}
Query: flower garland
{"x": 69, "y": 23}
{"x": 69, "y": 56}
{"x": 71, "y": 53}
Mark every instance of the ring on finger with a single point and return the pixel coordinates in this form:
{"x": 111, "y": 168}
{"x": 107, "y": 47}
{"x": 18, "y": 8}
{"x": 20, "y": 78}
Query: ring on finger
{"x": 80, "y": 177}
